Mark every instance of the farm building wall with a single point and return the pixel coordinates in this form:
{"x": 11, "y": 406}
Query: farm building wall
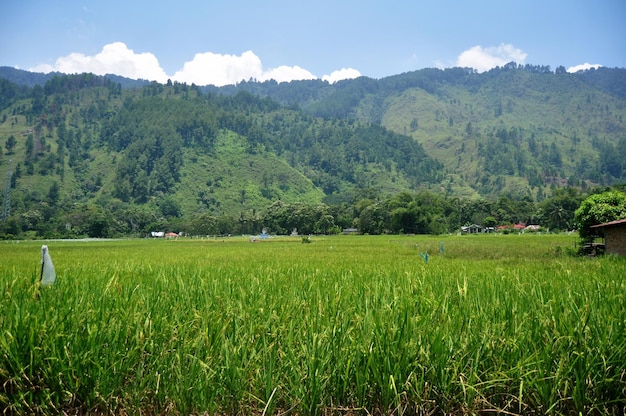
{"x": 615, "y": 239}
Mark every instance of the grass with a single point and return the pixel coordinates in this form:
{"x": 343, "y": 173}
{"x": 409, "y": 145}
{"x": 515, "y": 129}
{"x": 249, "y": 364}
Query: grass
{"x": 347, "y": 324}
{"x": 263, "y": 172}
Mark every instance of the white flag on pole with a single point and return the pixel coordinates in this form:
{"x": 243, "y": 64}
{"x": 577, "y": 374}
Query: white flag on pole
{"x": 48, "y": 275}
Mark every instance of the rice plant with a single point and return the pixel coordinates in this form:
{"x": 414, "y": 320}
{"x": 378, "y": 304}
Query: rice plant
{"x": 346, "y": 324}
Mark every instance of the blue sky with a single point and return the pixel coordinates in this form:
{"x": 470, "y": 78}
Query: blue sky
{"x": 210, "y": 42}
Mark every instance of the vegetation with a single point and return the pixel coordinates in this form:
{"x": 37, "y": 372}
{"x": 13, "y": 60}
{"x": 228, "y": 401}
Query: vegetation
{"x": 422, "y": 152}
{"x": 345, "y": 324}
{"x": 515, "y": 130}
{"x": 598, "y": 209}
{"x": 409, "y": 213}
{"x": 341, "y": 324}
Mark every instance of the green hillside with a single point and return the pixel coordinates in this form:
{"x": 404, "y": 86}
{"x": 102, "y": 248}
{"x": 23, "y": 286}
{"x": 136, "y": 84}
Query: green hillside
{"x": 89, "y": 153}
{"x": 515, "y": 130}
{"x": 83, "y": 144}
{"x": 519, "y": 131}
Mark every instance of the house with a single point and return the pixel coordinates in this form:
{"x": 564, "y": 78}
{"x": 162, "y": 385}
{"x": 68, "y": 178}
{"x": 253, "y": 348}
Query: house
{"x": 512, "y": 227}
{"x": 614, "y": 236}
{"x": 471, "y": 229}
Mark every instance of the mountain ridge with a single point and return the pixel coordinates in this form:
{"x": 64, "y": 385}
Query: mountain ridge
{"x": 518, "y": 132}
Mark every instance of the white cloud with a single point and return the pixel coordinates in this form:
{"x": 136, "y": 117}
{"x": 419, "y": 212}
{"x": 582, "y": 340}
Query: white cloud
{"x": 583, "y": 67}
{"x": 45, "y": 68}
{"x": 287, "y": 73}
{"x": 484, "y": 59}
{"x": 343, "y": 73}
{"x": 215, "y": 69}
{"x": 115, "y": 58}
{"x": 204, "y": 69}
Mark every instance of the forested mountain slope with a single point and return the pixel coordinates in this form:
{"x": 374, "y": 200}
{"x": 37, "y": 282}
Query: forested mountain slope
{"x": 515, "y": 130}
{"x": 137, "y": 154}
{"x": 83, "y": 139}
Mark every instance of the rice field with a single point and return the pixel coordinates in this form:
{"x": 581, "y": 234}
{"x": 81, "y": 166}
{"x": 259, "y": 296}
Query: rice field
{"x": 344, "y": 325}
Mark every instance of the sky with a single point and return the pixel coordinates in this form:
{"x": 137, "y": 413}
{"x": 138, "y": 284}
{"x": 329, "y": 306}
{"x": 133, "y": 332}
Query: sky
{"x": 225, "y": 42}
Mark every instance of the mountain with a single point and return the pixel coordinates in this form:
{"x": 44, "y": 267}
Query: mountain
{"x": 30, "y": 79}
{"x": 26, "y": 78}
{"x": 514, "y": 130}
{"x": 82, "y": 146}
{"x": 83, "y": 139}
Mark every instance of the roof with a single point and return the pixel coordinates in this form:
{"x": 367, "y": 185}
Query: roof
{"x": 609, "y": 224}
{"x": 519, "y": 226}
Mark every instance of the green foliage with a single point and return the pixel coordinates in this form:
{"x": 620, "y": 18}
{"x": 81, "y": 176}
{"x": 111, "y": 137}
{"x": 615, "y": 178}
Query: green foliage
{"x": 517, "y": 121}
{"x": 373, "y": 219}
{"x": 422, "y": 213}
{"x": 557, "y": 212}
{"x": 281, "y": 218}
{"x": 490, "y": 222}
{"x": 89, "y": 220}
{"x": 10, "y": 144}
{"x": 361, "y": 324}
{"x": 484, "y": 145}
{"x": 599, "y": 208}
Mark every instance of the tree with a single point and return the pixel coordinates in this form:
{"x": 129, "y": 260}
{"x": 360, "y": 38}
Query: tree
{"x": 611, "y": 161}
{"x": 30, "y": 147}
{"x": 89, "y": 220}
{"x": 558, "y": 211}
{"x": 38, "y": 100}
{"x": 598, "y": 209}
{"x": 554, "y": 156}
{"x": 403, "y": 213}
{"x": 10, "y": 144}
{"x": 98, "y": 222}
{"x": 138, "y": 218}
{"x": 53, "y": 193}
{"x": 169, "y": 206}
{"x": 373, "y": 219}
{"x": 325, "y": 225}
{"x": 490, "y": 221}
{"x": 204, "y": 224}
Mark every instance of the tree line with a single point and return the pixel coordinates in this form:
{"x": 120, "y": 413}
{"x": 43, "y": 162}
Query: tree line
{"x": 422, "y": 212}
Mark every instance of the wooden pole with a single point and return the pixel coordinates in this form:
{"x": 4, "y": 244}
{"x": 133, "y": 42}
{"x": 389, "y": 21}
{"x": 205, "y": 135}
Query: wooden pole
{"x": 43, "y": 261}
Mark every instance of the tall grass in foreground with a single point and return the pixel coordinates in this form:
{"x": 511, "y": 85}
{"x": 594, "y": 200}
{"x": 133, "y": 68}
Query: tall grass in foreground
{"x": 343, "y": 325}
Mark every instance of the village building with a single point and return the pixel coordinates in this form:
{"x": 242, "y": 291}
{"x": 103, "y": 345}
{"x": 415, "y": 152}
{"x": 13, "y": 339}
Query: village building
{"x": 471, "y": 229}
{"x": 614, "y": 236}
{"x": 508, "y": 228}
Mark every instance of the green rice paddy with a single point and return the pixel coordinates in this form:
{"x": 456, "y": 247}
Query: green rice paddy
{"x": 345, "y": 325}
